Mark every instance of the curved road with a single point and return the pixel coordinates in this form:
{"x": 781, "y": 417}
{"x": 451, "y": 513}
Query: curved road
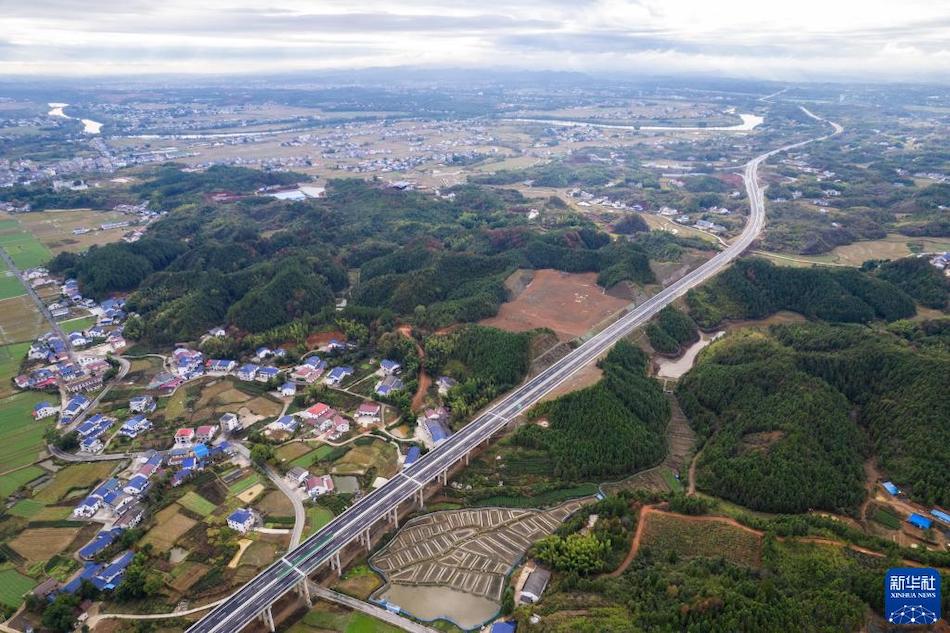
{"x": 281, "y": 576}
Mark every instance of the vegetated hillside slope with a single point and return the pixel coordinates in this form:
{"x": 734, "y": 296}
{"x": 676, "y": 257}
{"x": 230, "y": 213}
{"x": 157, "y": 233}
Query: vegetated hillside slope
{"x": 484, "y": 361}
{"x": 258, "y": 263}
{"x": 671, "y": 331}
{"x": 787, "y": 416}
{"x": 609, "y": 430}
{"x": 755, "y": 288}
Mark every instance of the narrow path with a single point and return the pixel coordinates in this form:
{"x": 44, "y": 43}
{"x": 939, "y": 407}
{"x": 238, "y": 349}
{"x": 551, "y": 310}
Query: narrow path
{"x": 370, "y": 609}
{"x": 425, "y": 380}
{"x": 691, "y": 485}
{"x": 95, "y": 619}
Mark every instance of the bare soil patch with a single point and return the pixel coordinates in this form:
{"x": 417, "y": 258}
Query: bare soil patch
{"x": 170, "y": 525}
{"x": 570, "y": 304}
{"x": 38, "y": 544}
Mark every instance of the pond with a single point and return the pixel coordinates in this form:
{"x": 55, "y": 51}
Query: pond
{"x": 432, "y": 603}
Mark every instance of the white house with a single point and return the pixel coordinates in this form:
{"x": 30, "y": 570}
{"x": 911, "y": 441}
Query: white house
{"x": 241, "y": 520}
{"x": 229, "y": 423}
{"x": 321, "y": 485}
{"x": 44, "y": 410}
{"x": 184, "y": 437}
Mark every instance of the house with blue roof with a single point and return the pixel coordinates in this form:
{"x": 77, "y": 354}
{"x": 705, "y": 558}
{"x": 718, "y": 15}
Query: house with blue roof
{"x": 315, "y": 362}
{"x": 263, "y": 352}
{"x": 201, "y": 451}
{"x": 940, "y": 515}
{"x": 241, "y": 520}
{"x": 504, "y": 627}
{"x": 44, "y": 410}
{"x": 288, "y": 390}
{"x": 88, "y": 506}
{"x": 137, "y": 485}
{"x": 338, "y": 375}
{"x": 142, "y": 404}
{"x": 891, "y": 488}
{"x": 919, "y": 521}
{"x": 75, "y": 405}
{"x": 266, "y": 374}
{"x": 135, "y": 425}
{"x": 102, "y": 540}
{"x": 247, "y": 371}
{"x": 412, "y": 456}
{"x": 390, "y": 367}
{"x": 389, "y": 385}
{"x": 436, "y": 430}
{"x": 106, "y": 487}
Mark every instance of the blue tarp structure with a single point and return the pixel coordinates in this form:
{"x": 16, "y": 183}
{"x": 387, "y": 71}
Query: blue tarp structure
{"x": 201, "y": 451}
{"x": 412, "y": 455}
{"x": 503, "y": 627}
{"x": 919, "y": 521}
{"x": 891, "y": 488}
{"x": 941, "y": 516}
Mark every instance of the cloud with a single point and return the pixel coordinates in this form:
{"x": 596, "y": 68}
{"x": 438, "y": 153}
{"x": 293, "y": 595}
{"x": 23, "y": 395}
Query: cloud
{"x": 864, "y": 39}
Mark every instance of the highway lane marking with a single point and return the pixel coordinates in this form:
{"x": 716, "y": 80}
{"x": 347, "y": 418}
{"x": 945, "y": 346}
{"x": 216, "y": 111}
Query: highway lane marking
{"x": 412, "y": 479}
{"x": 292, "y": 566}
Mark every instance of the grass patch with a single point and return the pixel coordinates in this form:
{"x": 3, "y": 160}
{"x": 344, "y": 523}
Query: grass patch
{"x": 10, "y": 482}
{"x": 886, "y": 518}
{"x": 74, "y": 477}
{"x": 196, "y": 503}
{"x": 317, "y": 517}
{"x": 21, "y": 437}
{"x": 10, "y": 358}
{"x": 13, "y": 585}
{"x": 26, "y": 508}
{"x": 240, "y": 486}
{"x": 552, "y": 497}
{"x": 78, "y": 325}
{"x": 169, "y": 526}
{"x": 323, "y": 453}
{"x": 675, "y": 484}
{"x": 10, "y": 284}
{"x": 25, "y": 250}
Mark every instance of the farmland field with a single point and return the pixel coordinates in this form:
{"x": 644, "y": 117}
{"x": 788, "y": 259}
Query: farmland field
{"x": 20, "y": 320}
{"x": 292, "y": 451}
{"x": 317, "y": 517}
{"x": 196, "y": 503}
{"x": 330, "y": 618}
{"x": 359, "y": 459}
{"x": 74, "y": 477}
{"x": 54, "y": 228}
{"x": 709, "y": 537}
{"x": 318, "y": 454}
{"x": 78, "y": 325}
{"x": 25, "y": 250}
{"x": 13, "y": 480}
{"x": 10, "y": 284}
{"x": 243, "y": 484}
{"x": 170, "y": 525}
{"x": 13, "y": 585}
{"x": 185, "y": 574}
{"x": 26, "y": 508}
{"x": 38, "y": 544}
{"x": 21, "y": 437}
{"x": 10, "y": 358}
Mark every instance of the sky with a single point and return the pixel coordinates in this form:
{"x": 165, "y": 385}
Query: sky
{"x": 800, "y": 40}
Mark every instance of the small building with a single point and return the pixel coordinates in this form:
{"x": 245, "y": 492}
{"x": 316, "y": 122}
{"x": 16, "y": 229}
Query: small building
{"x": 135, "y": 425}
{"x": 44, "y": 410}
{"x": 297, "y": 475}
{"x": 288, "y": 390}
{"x": 247, "y": 371}
{"x": 535, "y": 585}
{"x": 205, "y": 433}
{"x": 266, "y": 374}
{"x": 338, "y": 375}
{"x": 136, "y": 485}
{"x": 229, "y": 423}
{"x": 504, "y": 627}
{"x": 445, "y": 383}
{"x": 368, "y": 413}
{"x": 201, "y": 452}
{"x": 436, "y": 430}
{"x": 184, "y": 437}
{"x": 891, "y": 488}
{"x": 919, "y": 521}
{"x": 142, "y": 404}
{"x": 317, "y": 486}
{"x": 941, "y": 516}
{"x": 241, "y": 520}
{"x": 389, "y": 385}
{"x": 390, "y": 367}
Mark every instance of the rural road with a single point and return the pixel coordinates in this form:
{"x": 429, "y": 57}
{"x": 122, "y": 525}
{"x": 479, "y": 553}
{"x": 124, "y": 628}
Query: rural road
{"x": 377, "y": 612}
{"x": 300, "y": 515}
{"x": 281, "y": 576}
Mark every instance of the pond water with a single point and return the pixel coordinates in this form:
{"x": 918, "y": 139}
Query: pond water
{"x": 676, "y": 367}
{"x": 432, "y": 603}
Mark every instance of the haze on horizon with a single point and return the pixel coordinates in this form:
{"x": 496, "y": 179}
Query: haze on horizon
{"x": 803, "y": 40}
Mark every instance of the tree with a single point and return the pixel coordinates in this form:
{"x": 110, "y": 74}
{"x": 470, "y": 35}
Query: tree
{"x": 60, "y": 615}
{"x": 261, "y": 453}
{"x": 582, "y": 554}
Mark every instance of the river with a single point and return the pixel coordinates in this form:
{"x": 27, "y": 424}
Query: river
{"x": 431, "y": 603}
{"x": 89, "y": 126}
{"x": 749, "y": 122}
{"x": 674, "y": 368}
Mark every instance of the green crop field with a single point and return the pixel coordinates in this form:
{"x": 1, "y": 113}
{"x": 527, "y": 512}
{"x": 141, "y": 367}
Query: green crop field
{"x": 886, "y": 518}
{"x": 701, "y": 536}
{"x": 10, "y": 285}
{"x": 21, "y": 437}
{"x": 323, "y": 453}
{"x": 317, "y": 517}
{"x": 13, "y": 585}
{"x": 10, "y": 358}
{"x": 13, "y": 480}
{"x": 26, "y": 508}
{"x": 78, "y": 325}
{"x": 25, "y": 249}
{"x": 196, "y": 503}
{"x": 240, "y": 486}
{"x": 549, "y": 498}
{"x": 74, "y": 477}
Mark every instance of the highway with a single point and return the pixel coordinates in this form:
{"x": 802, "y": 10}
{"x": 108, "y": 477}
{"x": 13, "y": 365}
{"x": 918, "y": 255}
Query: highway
{"x": 281, "y": 576}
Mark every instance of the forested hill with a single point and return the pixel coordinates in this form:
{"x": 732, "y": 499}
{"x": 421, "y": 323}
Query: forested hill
{"x": 258, "y": 263}
{"x": 754, "y": 288}
{"x": 788, "y": 416}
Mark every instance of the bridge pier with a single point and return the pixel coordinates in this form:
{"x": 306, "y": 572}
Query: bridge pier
{"x": 303, "y": 589}
{"x": 267, "y": 616}
{"x": 365, "y": 537}
{"x": 422, "y": 497}
{"x": 466, "y": 458}
{"x": 335, "y": 563}
{"x": 395, "y": 516}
